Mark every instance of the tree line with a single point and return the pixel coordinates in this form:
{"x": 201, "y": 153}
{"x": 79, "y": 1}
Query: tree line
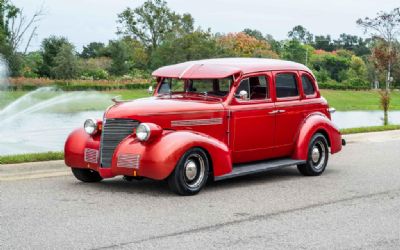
{"x": 153, "y": 35}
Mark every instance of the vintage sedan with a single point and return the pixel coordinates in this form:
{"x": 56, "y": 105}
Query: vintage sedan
{"x": 217, "y": 118}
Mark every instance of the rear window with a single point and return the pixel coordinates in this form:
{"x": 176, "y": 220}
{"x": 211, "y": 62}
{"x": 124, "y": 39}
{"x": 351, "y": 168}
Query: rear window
{"x": 286, "y": 85}
{"x": 308, "y": 86}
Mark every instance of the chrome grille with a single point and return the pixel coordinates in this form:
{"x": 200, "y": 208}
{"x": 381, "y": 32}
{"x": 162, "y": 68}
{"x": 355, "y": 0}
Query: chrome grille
{"x": 114, "y": 131}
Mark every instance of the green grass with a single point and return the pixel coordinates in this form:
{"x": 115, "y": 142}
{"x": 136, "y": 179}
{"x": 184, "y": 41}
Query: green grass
{"x": 347, "y": 131}
{"x": 345, "y": 100}
{"x": 48, "y": 156}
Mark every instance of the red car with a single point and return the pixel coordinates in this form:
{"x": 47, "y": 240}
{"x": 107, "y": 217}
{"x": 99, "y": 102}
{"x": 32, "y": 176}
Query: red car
{"x": 217, "y": 118}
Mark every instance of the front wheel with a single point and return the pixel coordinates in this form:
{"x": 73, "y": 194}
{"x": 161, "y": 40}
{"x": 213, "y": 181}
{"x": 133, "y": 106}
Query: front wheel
{"x": 318, "y": 153}
{"x": 191, "y": 173}
{"x": 86, "y": 175}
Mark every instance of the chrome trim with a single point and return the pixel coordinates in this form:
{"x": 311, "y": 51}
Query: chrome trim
{"x": 331, "y": 110}
{"x": 196, "y": 122}
{"x": 91, "y": 155}
{"x": 128, "y": 161}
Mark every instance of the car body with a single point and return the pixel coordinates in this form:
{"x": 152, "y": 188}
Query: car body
{"x": 219, "y": 117}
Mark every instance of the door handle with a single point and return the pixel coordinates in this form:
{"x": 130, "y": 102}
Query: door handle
{"x": 277, "y": 112}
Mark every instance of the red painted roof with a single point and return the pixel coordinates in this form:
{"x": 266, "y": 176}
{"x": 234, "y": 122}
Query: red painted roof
{"x": 224, "y": 67}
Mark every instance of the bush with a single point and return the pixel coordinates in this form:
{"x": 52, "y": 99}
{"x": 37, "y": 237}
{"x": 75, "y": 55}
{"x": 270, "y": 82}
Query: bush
{"x": 95, "y": 74}
{"x": 341, "y": 86}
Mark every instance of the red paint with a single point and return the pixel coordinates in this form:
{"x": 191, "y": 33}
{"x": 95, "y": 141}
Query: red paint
{"x": 229, "y": 130}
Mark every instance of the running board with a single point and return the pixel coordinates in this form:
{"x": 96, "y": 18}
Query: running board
{"x": 258, "y": 167}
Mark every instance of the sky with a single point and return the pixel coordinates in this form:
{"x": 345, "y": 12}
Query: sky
{"x": 85, "y": 21}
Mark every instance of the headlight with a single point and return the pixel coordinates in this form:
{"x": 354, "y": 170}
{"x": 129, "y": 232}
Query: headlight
{"x": 90, "y": 126}
{"x": 143, "y": 132}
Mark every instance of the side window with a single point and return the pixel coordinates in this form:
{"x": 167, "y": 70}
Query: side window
{"x": 243, "y": 86}
{"x": 308, "y": 86}
{"x": 257, "y": 88}
{"x": 286, "y": 85}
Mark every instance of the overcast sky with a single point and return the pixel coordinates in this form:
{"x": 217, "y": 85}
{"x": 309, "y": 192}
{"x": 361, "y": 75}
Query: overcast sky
{"x": 85, "y": 21}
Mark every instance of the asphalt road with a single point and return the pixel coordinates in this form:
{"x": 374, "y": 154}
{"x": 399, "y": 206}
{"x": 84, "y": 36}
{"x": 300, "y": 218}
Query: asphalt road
{"x": 354, "y": 205}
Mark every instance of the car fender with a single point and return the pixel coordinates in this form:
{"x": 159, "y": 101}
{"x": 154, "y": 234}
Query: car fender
{"x": 316, "y": 122}
{"x": 75, "y": 146}
{"x": 159, "y": 157}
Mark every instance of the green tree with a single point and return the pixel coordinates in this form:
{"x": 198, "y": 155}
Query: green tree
{"x": 293, "y": 50}
{"x": 386, "y": 26}
{"x": 93, "y": 50}
{"x": 254, "y": 33}
{"x": 49, "y": 49}
{"x": 191, "y": 46}
{"x": 31, "y": 64}
{"x": 65, "y": 63}
{"x": 301, "y": 34}
{"x": 152, "y": 22}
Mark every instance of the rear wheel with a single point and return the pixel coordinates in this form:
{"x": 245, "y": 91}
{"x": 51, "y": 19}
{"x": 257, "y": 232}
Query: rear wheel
{"x": 318, "y": 153}
{"x": 86, "y": 175}
{"x": 191, "y": 173}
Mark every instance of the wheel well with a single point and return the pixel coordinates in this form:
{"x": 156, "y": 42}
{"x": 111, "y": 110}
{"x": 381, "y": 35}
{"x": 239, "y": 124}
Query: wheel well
{"x": 325, "y": 134}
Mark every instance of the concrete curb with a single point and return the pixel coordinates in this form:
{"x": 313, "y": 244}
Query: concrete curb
{"x": 33, "y": 170}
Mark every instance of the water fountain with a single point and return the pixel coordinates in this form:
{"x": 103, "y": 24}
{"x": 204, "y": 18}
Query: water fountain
{"x": 40, "y": 120}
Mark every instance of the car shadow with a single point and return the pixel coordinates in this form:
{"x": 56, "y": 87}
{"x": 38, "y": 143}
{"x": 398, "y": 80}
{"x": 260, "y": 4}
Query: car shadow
{"x": 160, "y": 188}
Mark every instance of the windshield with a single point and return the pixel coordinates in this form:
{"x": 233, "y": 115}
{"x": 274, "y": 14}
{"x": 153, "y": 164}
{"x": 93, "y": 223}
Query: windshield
{"x": 214, "y": 87}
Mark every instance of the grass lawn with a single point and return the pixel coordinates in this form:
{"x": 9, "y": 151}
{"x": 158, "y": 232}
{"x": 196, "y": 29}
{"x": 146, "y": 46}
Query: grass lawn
{"x": 343, "y": 100}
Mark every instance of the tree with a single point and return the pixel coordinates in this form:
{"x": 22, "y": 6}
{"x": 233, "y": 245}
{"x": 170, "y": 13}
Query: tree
{"x": 242, "y": 45}
{"x": 386, "y": 26}
{"x": 31, "y": 64}
{"x": 323, "y": 43}
{"x": 14, "y": 26}
{"x": 293, "y": 50}
{"x": 152, "y": 22}
{"x": 254, "y": 33}
{"x": 301, "y": 34}
{"x": 192, "y": 46}
{"x": 93, "y": 50}
{"x": 49, "y": 49}
{"x": 65, "y": 63}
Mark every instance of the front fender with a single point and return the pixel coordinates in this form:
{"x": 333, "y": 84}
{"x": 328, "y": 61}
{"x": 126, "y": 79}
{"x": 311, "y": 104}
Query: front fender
{"x": 312, "y": 124}
{"x": 75, "y": 146}
{"x": 158, "y": 158}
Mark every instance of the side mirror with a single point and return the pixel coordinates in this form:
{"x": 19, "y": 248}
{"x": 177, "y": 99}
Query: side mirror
{"x": 150, "y": 90}
{"x": 243, "y": 95}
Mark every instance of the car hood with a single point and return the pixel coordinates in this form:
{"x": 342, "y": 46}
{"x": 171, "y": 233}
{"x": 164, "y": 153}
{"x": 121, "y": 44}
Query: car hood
{"x": 161, "y": 106}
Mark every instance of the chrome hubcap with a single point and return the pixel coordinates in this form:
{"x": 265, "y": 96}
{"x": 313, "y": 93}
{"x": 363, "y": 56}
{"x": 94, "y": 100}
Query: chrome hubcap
{"x": 194, "y": 170}
{"x": 318, "y": 155}
{"x": 315, "y": 155}
{"x": 190, "y": 170}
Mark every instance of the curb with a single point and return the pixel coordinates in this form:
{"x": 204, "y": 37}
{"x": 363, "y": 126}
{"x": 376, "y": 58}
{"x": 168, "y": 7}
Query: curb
{"x": 33, "y": 170}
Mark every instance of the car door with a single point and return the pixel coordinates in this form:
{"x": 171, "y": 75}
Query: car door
{"x": 289, "y": 111}
{"x": 252, "y": 119}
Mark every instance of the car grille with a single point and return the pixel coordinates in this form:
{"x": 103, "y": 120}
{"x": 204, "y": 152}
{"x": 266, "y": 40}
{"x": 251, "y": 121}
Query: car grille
{"x": 114, "y": 131}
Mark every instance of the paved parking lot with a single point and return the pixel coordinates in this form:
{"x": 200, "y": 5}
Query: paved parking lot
{"x": 355, "y": 204}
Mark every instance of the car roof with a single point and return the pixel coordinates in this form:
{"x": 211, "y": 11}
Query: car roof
{"x": 224, "y": 67}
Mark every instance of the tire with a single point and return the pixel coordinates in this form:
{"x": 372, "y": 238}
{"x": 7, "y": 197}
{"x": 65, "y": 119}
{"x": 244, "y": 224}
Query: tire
{"x": 317, "y": 159}
{"x": 86, "y": 175}
{"x": 191, "y": 173}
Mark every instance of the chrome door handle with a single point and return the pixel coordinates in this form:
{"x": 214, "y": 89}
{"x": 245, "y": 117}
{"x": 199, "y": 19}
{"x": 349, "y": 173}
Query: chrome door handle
{"x": 277, "y": 112}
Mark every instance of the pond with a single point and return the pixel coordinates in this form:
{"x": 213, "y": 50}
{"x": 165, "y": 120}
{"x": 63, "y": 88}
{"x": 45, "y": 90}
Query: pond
{"x": 41, "y": 120}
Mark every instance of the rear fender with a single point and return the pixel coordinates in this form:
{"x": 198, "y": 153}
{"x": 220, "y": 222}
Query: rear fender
{"x": 316, "y": 122}
{"x": 159, "y": 157}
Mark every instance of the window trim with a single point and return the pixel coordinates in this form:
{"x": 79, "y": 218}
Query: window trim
{"x": 268, "y": 77}
{"x": 299, "y": 88}
{"x": 313, "y": 82}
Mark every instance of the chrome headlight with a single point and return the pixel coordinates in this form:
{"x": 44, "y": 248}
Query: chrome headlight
{"x": 143, "y": 132}
{"x": 90, "y": 126}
